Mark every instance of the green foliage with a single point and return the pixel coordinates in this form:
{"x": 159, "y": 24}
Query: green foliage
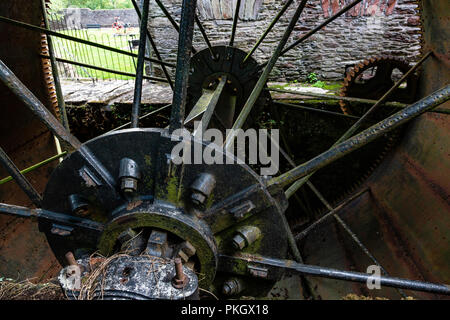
{"x": 312, "y": 78}
{"x": 319, "y": 84}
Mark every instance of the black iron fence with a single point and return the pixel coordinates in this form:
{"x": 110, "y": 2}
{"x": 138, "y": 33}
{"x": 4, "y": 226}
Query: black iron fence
{"x": 78, "y": 61}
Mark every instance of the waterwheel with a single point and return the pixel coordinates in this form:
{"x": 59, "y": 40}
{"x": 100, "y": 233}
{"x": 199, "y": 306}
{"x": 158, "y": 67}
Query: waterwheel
{"x": 226, "y": 223}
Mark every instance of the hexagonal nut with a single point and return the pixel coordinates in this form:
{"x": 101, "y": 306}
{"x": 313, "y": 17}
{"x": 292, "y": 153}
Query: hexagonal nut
{"x": 198, "y": 198}
{"x": 183, "y": 256}
{"x": 239, "y": 242}
{"x": 188, "y": 249}
{"x": 128, "y": 185}
{"x": 127, "y": 235}
{"x": 82, "y": 211}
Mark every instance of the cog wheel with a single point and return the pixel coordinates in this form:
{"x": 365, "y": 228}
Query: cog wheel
{"x": 373, "y": 77}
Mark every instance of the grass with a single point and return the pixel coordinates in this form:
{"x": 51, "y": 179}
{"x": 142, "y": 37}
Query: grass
{"x": 333, "y": 86}
{"x": 71, "y": 50}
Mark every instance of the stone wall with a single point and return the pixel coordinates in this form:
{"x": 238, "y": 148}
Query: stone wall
{"x": 81, "y": 17}
{"x": 373, "y": 27}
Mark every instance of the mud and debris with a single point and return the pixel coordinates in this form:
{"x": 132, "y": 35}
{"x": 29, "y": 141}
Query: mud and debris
{"x": 352, "y": 296}
{"x": 28, "y": 290}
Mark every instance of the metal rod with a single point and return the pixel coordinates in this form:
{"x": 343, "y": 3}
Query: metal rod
{"x": 350, "y": 232}
{"x": 205, "y": 37}
{"x": 357, "y": 125}
{"x": 23, "y": 183}
{"x": 372, "y": 109}
{"x": 44, "y": 115}
{"x": 168, "y": 15}
{"x": 304, "y": 232}
{"x": 140, "y": 118}
{"x": 263, "y": 78}
{"x": 290, "y": 105}
{"x": 103, "y": 69}
{"x": 171, "y": 20}
{"x": 66, "y": 219}
{"x": 55, "y": 71}
{"x": 235, "y": 22}
{"x": 333, "y": 97}
{"x": 136, "y": 106}
{"x": 338, "y": 151}
{"x": 26, "y": 96}
{"x": 338, "y": 219}
{"x": 35, "y": 166}
{"x": 319, "y": 27}
{"x": 269, "y": 28}
{"x": 183, "y": 64}
{"x": 153, "y": 44}
{"x": 291, "y": 240}
{"x": 78, "y": 40}
{"x": 277, "y": 267}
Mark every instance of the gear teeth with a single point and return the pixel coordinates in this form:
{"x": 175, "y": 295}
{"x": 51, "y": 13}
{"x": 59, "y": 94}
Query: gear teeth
{"x": 48, "y": 74}
{"x": 392, "y": 138}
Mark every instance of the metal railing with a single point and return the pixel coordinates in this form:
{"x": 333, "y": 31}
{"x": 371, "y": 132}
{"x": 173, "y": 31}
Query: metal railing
{"x": 110, "y": 65}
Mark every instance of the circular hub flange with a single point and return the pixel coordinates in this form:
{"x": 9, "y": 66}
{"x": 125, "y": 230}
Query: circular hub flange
{"x": 163, "y": 199}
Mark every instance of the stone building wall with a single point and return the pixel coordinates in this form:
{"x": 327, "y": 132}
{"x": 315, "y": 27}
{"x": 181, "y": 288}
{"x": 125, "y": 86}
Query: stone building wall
{"x": 81, "y": 17}
{"x": 373, "y": 27}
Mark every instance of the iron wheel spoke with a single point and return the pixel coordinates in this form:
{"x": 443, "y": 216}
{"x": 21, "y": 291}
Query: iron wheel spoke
{"x": 319, "y": 27}
{"x": 274, "y": 268}
{"x": 23, "y": 182}
{"x": 269, "y": 28}
{"x": 153, "y": 44}
{"x": 183, "y": 64}
{"x": 51, "y": 216}
{"x": 371, "y": 133}
{"x": 136, "y": 107}
{"x": 235, "y": 22}
{"x": 44, "y": 115}
{"x": 171, "y": 20}
{"x": 338, "y": 219}
{"x": 301, "y": 107}
{"x": 263, "y": 78}
{"x": 205, "y": 37}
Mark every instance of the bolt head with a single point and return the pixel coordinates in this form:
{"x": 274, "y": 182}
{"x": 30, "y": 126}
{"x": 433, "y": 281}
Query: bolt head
{"x": 238, "y": 242}
{"x": 129, "y": 185}
{"x": 82, "y": 211}
{"x": 183, "y": 256}
{"x": 126, "y": 236}
{"x": 226, "y": 290}
{"x": 189, "y": 249}
{"x": 198, "y": 198}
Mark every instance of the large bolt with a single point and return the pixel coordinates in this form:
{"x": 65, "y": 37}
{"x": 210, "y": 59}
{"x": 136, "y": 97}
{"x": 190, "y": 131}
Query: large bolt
{"x": 71, "y": 261}
{"x": 202, "y": 187}
{"x": 239, "y": 242}
{"x": 78, "y": 205}
{"x": 245, "y": 236}
{"x": 180, "y": 280}
{"x": 131, "y": 242}
{"x": 186, "y": 251}
{"x": 70, "y": 258}
{"x": 129, "y": 175}
{"x": 232, "y": 287}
